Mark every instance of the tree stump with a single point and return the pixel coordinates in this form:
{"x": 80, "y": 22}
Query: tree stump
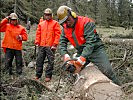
{"x": 94, "y": 86}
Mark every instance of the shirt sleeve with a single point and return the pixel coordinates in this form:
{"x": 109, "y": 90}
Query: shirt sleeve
{"x": 38, "y": 34}
{"x": 57, "y": 31}
{"x": 24, "y": 35}
{"x": 63, "y": 44}
{"x": 3, "y": 25}
{"x": 91, "y": 38}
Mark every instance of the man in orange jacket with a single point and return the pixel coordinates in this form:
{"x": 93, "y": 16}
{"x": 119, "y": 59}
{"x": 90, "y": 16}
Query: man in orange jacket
{"x": 12, "y": 42}
{"x": 47, "y": 38}
{"x": 81, "y": 33}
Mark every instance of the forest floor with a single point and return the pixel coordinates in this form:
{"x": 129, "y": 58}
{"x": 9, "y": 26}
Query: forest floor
{"x": 30, "y": 92}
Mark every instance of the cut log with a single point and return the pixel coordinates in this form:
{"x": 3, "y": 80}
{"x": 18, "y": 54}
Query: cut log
{"x": 95, "y": 86}
{"x": 118, "y": 41}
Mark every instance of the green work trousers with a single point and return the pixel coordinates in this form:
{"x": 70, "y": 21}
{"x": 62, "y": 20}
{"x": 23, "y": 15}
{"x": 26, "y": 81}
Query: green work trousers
{"x": 100, "y": 59}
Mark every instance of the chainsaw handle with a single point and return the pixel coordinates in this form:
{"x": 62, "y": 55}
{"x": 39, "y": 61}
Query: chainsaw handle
{"x": 67, "y": 62}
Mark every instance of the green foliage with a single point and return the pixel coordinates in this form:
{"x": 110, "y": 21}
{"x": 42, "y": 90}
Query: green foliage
{"x": 105, "y": 12}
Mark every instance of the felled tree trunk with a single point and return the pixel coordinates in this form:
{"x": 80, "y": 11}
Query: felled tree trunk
{"x": 94, "y": 86}
{"x": 118, "y": 41}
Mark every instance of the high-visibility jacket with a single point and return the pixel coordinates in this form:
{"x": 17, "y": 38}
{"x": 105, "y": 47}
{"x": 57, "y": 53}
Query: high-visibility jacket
{"x": 83, "y": 37}
{"x": 11, "y": 32}
{"x": 48, "y": 33}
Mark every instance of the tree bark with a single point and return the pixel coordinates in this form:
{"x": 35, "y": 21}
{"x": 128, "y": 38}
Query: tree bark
{"x": 94, "y": 86}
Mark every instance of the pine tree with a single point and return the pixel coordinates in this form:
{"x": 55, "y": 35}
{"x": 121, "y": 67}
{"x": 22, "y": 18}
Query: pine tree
{"x": 124, "y": 12}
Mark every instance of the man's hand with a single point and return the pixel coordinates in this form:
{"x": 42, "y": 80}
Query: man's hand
{"x": 66, "y": 57}
{"x": 8, "y": 17}
{"x": 19, "y": 38}
{"x": 79, "y": 64}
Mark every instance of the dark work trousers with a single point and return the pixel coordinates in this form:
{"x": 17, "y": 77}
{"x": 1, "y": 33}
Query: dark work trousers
{"x": 100, "y": 59}
{"x": 42, "y": 54}
{"x": 9, "y": 55}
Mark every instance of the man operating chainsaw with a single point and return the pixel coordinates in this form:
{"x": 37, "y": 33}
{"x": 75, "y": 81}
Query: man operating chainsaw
{"x": 81, "y": 33}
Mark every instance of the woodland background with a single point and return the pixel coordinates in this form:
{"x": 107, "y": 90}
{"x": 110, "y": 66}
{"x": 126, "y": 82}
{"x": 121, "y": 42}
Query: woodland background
{"x": 104, "y": 12}
{"x": 114, "y": 19}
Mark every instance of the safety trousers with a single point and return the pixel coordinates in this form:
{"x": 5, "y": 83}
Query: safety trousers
{"x": 9, "y": 56}
{"x": 42, "y": 54}
{"x": 100, "y": 59}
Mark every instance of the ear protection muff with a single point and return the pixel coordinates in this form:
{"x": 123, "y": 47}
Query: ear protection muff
{"x": 52, "y": 15}
{"x": 73, "y": 14}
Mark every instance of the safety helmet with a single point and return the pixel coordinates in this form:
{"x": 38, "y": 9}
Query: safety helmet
{"x": 62, "y": 13}
{"x": 13, "y": 16}
{"x": 48, "y": 11}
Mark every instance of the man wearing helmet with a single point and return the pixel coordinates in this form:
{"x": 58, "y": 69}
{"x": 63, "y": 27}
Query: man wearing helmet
{"x": 47, "y": 38}
{"x": 81, "y": 33}
{"x": 12, "y": 42}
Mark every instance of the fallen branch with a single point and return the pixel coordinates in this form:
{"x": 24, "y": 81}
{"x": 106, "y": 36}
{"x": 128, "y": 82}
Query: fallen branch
{"x": 118, "y": 41}
{"x": 38, "y": 85}
{"x": 115, "y": 59}
{"x": 125, "y": 55}
{"x": 118, "y": 67}
{"x": 125, "y": 58}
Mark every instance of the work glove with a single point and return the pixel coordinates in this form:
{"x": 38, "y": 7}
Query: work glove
{"x": 69, "y": 63}
{"x": 19, "y": 37}
{"x": 66, "y": 57}
{"x": 79, "y": 64}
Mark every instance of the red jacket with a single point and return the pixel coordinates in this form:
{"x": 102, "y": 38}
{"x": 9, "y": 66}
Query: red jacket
{"x": 11, "y": 32}
{"x": 82, "y": 36}
{"x": 48, "y": 33}
{"x": 78, "y": 31}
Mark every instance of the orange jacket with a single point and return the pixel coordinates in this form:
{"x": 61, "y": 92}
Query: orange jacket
{"x": 48, "y": 33}
{"x": 11, "y": 32}
{"x": 76, "y": 36}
